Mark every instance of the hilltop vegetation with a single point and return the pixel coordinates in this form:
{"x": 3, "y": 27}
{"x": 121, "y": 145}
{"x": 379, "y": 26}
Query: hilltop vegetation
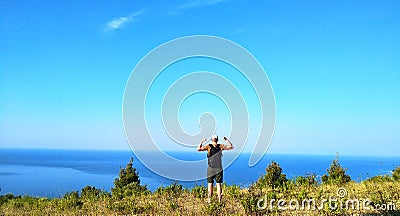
{"x": 273, "y": 193}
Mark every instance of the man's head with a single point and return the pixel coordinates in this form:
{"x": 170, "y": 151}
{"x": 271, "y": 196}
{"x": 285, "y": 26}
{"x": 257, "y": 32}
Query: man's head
{"x": 214, "y": 138}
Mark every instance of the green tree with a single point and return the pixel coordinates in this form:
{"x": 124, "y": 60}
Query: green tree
{"x": 273, "y": 177}
{"x": 336, "y": 173}
{"x": 128, "y": 182}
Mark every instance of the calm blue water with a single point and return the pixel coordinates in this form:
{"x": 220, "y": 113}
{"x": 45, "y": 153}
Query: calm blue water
{"x": 52, "y": 173}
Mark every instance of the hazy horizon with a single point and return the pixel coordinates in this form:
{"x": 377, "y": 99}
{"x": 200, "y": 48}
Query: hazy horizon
{"x": 333, "y": 154}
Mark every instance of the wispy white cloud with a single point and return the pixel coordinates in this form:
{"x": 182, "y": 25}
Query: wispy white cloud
{"x": 198, "y": 3}
{"x": 119, "y": 22}
{"x": 238, "y": 31}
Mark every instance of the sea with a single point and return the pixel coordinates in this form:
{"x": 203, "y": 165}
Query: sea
{"x": 54, "y": 172}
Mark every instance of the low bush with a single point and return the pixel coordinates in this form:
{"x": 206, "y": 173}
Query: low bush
{"x": 71, "y": 200}
{"x": 308, "y": 180}
{"x": 377, "y": 179}
{"x": 232, "y": 191}
{"x": 214, "y": 208}
{"x": 6, "y": 198}
{"x": 396, "y": 174}
{"x": 249, "y": 202}
{"x": 199, "y": 191}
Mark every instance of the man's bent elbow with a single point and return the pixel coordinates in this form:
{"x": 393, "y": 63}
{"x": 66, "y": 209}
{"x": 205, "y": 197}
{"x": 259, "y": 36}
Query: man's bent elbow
{"x": 229, "y": 148}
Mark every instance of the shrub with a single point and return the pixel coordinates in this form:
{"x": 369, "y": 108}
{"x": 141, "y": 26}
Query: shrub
{"x": 309, "y": 180}
{"x": 71, "y": 200}
{"x": 288, "y": 186}
{"x": 249, "y": 202}
{"x": 214, "y": 208}
{"x": 173, "y": 204}
{"x": 90, "y": 193}
{"x": 232, "y": 191}
{"x": 336, "y": 173}
{"x": 172, "y": 191}
{"x": 6, "y": 198}
{"x": 378, "y": 179}
{"x": 273, "y": 178}
{"x": 396, "y": 174}
{"x": 199, "y": 191}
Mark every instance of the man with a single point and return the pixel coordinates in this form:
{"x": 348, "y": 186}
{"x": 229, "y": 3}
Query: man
{"x": 214, "y": 170}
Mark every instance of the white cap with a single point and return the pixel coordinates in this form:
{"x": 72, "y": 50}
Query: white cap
{"x": 215, "y": 136}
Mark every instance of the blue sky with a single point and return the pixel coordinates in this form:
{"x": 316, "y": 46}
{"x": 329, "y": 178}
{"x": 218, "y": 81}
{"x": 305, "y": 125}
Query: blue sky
{"x": 334, "y": 67}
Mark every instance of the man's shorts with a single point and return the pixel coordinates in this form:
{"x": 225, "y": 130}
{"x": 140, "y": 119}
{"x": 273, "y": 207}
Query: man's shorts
{"x": 214, "y": 173}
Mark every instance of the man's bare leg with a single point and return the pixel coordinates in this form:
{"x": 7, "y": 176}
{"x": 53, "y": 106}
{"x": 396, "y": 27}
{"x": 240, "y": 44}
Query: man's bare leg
{"x": 219, "y": 191}
{"x": 210, "y": 191}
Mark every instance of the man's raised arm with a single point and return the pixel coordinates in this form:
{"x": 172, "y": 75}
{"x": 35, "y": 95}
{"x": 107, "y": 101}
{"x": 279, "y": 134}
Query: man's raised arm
{"x": 200, "y": 147}
{"x": 229, "y": 146}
